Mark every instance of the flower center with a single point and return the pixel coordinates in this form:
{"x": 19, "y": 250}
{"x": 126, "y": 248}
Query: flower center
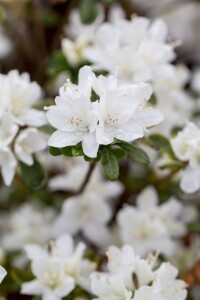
{"x": 52, "y": 278}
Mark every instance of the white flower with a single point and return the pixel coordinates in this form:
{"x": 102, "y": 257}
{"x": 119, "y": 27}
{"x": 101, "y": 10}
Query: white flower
{"x": 74, "y": 50}
{"x": 73, "y": 117}
{"x": 172, "y": 99}
{"x": 76, "y": 28}
{"x": 87, "y": 213}
{"x": 57, "y": 271}
{"x": 119, "y": 113}
{"x": 167, "y": 285}
{"x": 186, "y": 146}
{"x": 29, "y": 141}
{"x": 18, "y": 95}
{"x": 25, "y": 143}
{"x": 132, "y": 278}
{"x": 149, "y": 226}
{"x": 28, "y": 224}
{"x": 8, "y": 163}
{"x": 136, "y": 47}
{"x": 2, "y": 273}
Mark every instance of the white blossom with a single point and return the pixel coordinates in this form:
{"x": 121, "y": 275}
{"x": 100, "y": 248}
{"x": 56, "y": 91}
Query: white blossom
{"x": 175, "y": 103}
{"x": 131, "y": 278}
{"x": 8, "y": 163}
{"x": 137, "y": 47}
{"x": 186, "y": 146}
{"x": 25, "y": 225}
{"x": 58, "y": 270}
{"x": 120, "y": 112}
{"x": 29, "y": 141}
{"x": 149, "y": 226}
{"x": 18, "y": 95}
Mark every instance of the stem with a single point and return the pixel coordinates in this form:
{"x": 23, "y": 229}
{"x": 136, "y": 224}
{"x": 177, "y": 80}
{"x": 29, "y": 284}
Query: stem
{"x": 86, "y": 180}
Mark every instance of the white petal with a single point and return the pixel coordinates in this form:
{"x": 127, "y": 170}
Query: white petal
{"x": 62, "y": 139}
{"x": 90, "y": 145}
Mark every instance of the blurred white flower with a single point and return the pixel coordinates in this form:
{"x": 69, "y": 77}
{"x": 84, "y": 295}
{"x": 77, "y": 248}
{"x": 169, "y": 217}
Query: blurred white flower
{"x": 175, "y": 103}
{"x": 29, "y": 141}
{"x": 87, "y": 213}
{"x": 186, "y": 146}
{"x": 74, "y": 50}
{"x": 76, "y": 28}
{"x": 131, "y": 278}
{"x": 58, "y": 270}
{"x": 8, "y": 131}
{"x": 18, "y": 95}
{"x": 120, "y": 112}
{"x": 149, "y": 226}
{"x": 25, "y": 225}
{"x": 137, "y": 48}
{"x": 2, "y": 273}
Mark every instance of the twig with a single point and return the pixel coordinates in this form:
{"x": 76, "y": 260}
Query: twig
{"x": 86, "y": 180}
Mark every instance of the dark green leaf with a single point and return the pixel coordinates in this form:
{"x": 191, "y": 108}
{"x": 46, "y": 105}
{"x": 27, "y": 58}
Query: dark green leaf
{"x": 136, "y": 154}
{"x": 54, "y": 151}
{"x": 88, "y": 10}
{"x": 34, "y": 176}
{"x": 67, "y": 151}
{"x": 109, "y": 164}
{"x": 119, "y": 153}
{"x": 77, "y": 150}
{"x": 160, "y": 143}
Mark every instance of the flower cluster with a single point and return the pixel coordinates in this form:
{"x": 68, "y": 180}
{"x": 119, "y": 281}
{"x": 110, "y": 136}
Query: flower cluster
{"x": 132, "y": 278}
{"x": 150, "y": 227}
{"x": 119, "y": 112}
{"x": 58, "y": 270}
{"x": 19, "y": 136}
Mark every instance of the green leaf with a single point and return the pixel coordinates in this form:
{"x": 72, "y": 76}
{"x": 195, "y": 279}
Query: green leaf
{"x": 77, "y": 150}
{"x": 119, "y": 153}
{"x": 34, "y": 176}
{"x": 54, "y": 151}
{"x": 136, "y": 154}
{"x": 161, "y": 143}
{"x": 88, "y": 10}
{"x": 57, "y": 63}
{"x": 67, "y": 151}
{"x": 194, "y": 227}
{"x": 109, "y": 164}
{"x": 19, "y": 276}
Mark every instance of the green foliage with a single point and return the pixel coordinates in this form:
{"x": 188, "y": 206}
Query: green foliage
{"x": 136, "y": 154}
{"x": 19, "y": 276}
{"x": 57, "y": 63}
{"x": 54, "y": 151}
{"x": 88, "y": 10}
{"x": 34, "y": 176}
{"x": 119, "y": 153}
{"x": 194, "y": 227}
{"x": 160, "y": 143}
{"x": 109, "y": 164}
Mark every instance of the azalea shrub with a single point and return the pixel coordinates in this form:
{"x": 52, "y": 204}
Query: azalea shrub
{"x": 99, "y": 150}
